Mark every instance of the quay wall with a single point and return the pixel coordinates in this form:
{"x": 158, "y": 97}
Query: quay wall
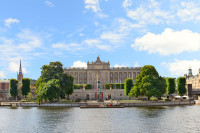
{"x": 135, "y": 104}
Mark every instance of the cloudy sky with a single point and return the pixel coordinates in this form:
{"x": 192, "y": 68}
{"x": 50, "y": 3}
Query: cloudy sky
{"x": 163, "y": 33}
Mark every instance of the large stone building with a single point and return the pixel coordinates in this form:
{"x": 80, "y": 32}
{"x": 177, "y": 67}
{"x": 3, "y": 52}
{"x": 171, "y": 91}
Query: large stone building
{"x": 193, "y": 79}
{"x": 102, "y": 72}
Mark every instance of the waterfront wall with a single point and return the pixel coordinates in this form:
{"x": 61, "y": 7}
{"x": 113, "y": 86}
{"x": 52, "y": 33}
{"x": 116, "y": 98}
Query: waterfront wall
{"x": 136, "y": 104}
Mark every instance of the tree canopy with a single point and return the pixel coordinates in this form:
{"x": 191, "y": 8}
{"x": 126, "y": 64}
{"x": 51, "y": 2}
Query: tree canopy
{"x": 181, "y": 83}
{"x": 52, "y": 79}
{"x": 170, "y": 82}
{"x": 148, "y": 83}
{"x": 25, "y": 86}
{"x": 128, "y": 84}
{"x": 13, "y": 87}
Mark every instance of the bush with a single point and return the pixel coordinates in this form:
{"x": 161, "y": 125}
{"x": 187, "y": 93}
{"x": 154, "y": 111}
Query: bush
{"x": 166, "y": 99}
{"x": 153, "y": 99}
{"x": 24, "y": 100}
{"x": 77, "y": 100}
{"x": 119, "y": 85}
{"x": 78, "y": 86}
{"x": 107, "y": 86}
{"x": 88, "y": 86}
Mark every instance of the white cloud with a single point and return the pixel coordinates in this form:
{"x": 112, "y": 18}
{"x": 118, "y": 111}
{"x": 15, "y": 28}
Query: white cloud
{"x": 127, "y": 3}
{"x": 93, "y": 5}
{"x": 180, "y": 67}
{"x": 68, "y": 47}
{"x": 189, "y": 11}
{"x": 104, "y": 47}
{"x": 49, "y": 3}
{"x": 29, "y": 40}
{"x": 14, "y": 67}
{"x": 169, "y": 42}
{"x": 2, "y": 74}
{"x": 122, "y": 65}
{"x": 10, "y": 21}
{"x": 136, "y": 64}
{"x": 79, "y": 64}
{"x": 92, "y": 42}
{"x": 112, "y": 37}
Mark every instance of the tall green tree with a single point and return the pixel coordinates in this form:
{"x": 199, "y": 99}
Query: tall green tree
{"x": 67, "y": 84}
{"x": 26, "y": 82}
{"x": 128, "y": 84}
{"x": 181, "y": 83}
{"x": 13, "y": 88}
{"x": 54, "y": 71}
{"x": 170, "y": 89}
{"x": 148, "y": 83}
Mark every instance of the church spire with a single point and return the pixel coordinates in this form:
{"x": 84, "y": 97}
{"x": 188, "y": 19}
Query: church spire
{"x": 20, "y": 67}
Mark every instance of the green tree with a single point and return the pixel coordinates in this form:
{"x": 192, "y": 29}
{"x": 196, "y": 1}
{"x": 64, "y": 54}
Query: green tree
{"x": 170, "y": 89}
{"x": 161, "y": 87}
{"x": 181, "y": 83}
{"x": 148, "y": 83}
{"x": 30, "y": 96}
{"x": 26, "y": 86}
{"x": 67, "y": 84}
{"x": 13, "y": 88}
{"x": 128, "y": 84}
{"x": 53, "y": 71}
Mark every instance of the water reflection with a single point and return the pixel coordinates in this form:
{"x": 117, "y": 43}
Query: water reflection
{"x": 76, "y": 120}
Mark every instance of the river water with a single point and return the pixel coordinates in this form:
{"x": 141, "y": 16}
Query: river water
{"x": 122, "y": 120}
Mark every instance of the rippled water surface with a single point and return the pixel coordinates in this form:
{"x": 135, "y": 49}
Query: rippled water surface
{"x": 122, "y": 120}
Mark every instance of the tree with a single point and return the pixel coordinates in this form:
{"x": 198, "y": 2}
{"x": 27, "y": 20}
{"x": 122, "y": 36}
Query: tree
{"x": 128, "y": 84}
{"x": 49, "y": 90}
{"x": 181, "y": 89}
{"x": 53, "y": 71}
{"x": 13, "y": 88}
{"x": 161, "y": 87}
{"x": 148, "y": 83}
{"x": 30, "y": 96}
{"x": 26, "y": 86}
{"x": 67, "y": 83}
{"x": 170, "y": 89}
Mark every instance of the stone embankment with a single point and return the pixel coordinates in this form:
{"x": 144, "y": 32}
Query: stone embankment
{"x": 125, "y": 104}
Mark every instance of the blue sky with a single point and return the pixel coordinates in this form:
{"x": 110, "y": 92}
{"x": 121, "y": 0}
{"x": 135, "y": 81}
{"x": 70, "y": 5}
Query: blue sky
{"x": 163, "y": 33}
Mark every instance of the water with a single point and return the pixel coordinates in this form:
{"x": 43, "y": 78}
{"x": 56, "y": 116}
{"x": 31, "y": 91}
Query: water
{"x": 111, "y": 120}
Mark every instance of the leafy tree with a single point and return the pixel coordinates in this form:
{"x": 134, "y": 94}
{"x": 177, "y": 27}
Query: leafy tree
{"x": 161, "y": 87}
{"x": 88, "y": 86}
{"x": 30, "y": 96}
{"x": 53, "y": 71}
{"x": 170, "y": 82}
{"x": 25, "y": 86}
{"x": 148, "y": 83}
{"x": 181, "y": 89}
{"x": 13, "y": 87}
{"x": 128, "y": 84}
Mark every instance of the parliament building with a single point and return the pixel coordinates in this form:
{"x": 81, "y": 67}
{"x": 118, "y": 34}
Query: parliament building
{"x": 101, "y": 72}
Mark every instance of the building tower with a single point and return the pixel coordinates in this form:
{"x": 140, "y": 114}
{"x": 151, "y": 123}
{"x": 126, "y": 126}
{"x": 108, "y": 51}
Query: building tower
{"x": 20, "y": 74}
{"x": 190, "y": 71}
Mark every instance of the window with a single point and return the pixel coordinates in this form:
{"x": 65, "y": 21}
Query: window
{"x": 85, "y": 75}
{"x": 85, "y": 81}
{"x": 120, "y": 94}
{"x": 115, "y": 81}
{"x": 80, "y": 81}
{"x": 133, "y": 75}
{"x": 124, "y": 74}
{"x": 111, "y": 75}
{"x": 120, "y": 75}
{"x": 3, "y": 85}
{"x": 80, "y": 75}
{"x": 116, "y": 75}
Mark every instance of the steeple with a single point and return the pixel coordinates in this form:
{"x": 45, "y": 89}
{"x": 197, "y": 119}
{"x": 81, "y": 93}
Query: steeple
{"x": 20, "y": 67}
{"x": 20, "y": 75}
{"x": 190, "y": 71}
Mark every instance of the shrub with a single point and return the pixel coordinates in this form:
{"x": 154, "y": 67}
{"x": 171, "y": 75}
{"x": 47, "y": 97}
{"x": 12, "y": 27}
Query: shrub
{"x": 166, "y": 99}
{"x": 77, "y": 100}
{"x": 78, "y": 86}
{"x": 119, "y": 85}
{"x": 88, "y": 86}
{"x": 153, "y": 99}
{"x": 107, "y": 86}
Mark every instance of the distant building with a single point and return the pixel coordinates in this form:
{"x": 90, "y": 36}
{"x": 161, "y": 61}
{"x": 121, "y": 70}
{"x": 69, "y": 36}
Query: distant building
{"x": 20, "y": 74}
{"x": 102, "y": 73}
{"x": 194, "y": 80}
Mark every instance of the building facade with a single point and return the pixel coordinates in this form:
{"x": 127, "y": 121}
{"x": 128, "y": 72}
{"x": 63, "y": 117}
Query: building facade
{"x": 99, "y": 73}
{"x": 193, "y": 79}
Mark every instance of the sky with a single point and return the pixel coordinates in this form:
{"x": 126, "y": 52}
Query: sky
{"x": 127, "y": 33}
